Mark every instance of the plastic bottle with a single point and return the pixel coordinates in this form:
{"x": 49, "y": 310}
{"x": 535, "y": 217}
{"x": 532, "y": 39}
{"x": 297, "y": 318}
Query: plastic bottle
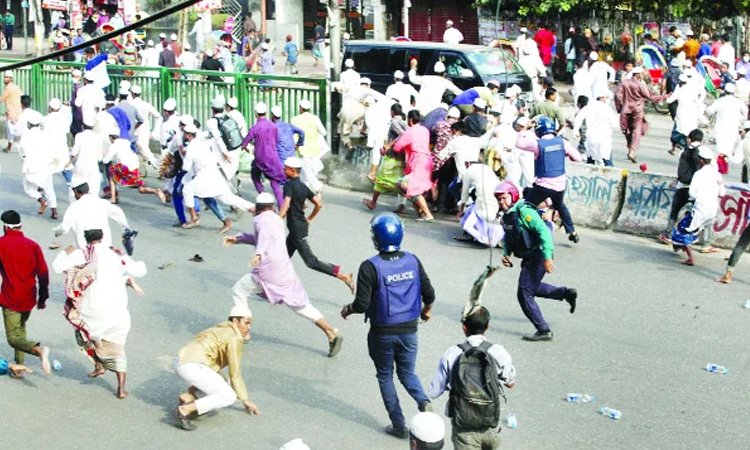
{"x": 511, "y": 421}
{"x": 579, "y": 398}
{"x": 56, "y": 365}
{"x": 715, "y": 368}
{"x": 610, "y": 412}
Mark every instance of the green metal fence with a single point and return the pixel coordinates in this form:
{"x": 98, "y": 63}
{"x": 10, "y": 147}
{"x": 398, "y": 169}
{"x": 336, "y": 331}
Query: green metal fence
{"x": 191, "y": 89}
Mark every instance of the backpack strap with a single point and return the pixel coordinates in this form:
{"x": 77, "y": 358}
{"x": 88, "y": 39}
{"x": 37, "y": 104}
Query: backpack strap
{"x": 465, "y": 346}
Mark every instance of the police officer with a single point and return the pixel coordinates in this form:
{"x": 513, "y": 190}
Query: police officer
{"x": 392, "y": 287}
{"x": 528, "y": 237}
{"x": 550, "y": 151}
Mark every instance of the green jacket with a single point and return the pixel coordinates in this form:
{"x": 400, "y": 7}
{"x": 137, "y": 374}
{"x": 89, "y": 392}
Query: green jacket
{"x": 528, "y": 217}
{"x": 9, "y": 19}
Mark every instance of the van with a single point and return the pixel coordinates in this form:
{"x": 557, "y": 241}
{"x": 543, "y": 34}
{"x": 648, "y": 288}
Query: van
{"x": 467, "y": 66}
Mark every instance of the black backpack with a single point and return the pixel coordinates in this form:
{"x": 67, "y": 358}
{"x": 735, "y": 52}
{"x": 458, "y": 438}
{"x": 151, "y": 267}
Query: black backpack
{"x": 475, "y": 388}
{"x": 517, "y": 239}
{"x": 230, "y": 132}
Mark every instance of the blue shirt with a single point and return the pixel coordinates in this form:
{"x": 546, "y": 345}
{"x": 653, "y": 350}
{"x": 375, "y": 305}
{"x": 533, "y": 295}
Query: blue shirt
{"x": 291, "y": 52}
{"x": 467, "y": 97}
{"x": 433, "y": 117}
{"x": 78, "y": 40}
{"x": 704, "y": 50}
{"x": 286, "y": 146}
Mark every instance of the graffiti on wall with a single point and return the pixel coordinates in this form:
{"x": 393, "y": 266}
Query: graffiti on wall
{"x": 649, "y": 199}
{"x": 592, "y": 190}
{"x": 733, "y": 211}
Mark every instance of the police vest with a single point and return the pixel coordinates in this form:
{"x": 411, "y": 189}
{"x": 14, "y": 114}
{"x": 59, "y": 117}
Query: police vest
{"x": 551, "y": 160}
{"x": 517, "y": 238}
{"x": 399, "y": 293}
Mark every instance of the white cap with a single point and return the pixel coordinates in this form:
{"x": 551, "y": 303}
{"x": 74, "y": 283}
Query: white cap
{"x": 480, "y": 103}
{"x": 264, "y": 198}
{"x": 87, "y": 76}
{"x": 150, "y": 43}
{"x": 427, "y": 427}
{"x": 124, "y": 91}
{"x": 8, "y": 74}
{"x": 399, "y": 75}
{"x": 439, "y": 67}
{"x": 369, "y": 100}
{"x": 170, "y": 104}
{"x": 705, "y": 152}
{"x": 186, "y": 119}
{"x": 305, "y": 104}
{"x": 190, "y": 128}
{"x": 454, "y": 112}
{"x": 232, "y": 102}
{"x": 637, "y": 69}
{"x": 293, "y": 162}
{"x": 261, "y": 108}
{"x": 513, "y": 90}
{"x": 524, "y": 30}
{"x": 679, "y": 42}
{"x": 523, "y": 121}
{"x": 295, "y": 444}
{"x": 449, "y": 23}
{"x": 89, "y": 120}
{"x": 240, "y": 311}
{"x": 349, "y": 63}
{"x": 689, "y": 33}
{"x": 746, "y": 125}
{"x": 683, "y": 78}
{"x": 678, "y": 32}
{"x": 125, "y": 84}
{"x": 55, "y": 103}
{"x": 264, "y": 46}
{"x": 687, "y": 63}
{"x": 76, "y": 73}
{"x": 77, "y": 180}
{"x": 186, "y": 46}
{"x": 675, "y": 62}
{"x": 365, "y": 80}
{"x": 135, "y": 89}
{"x": 219, "y": 102}
{"x": 730, "y": 88}
{"x": 162, "y": 36}
{"x": 276, "y": 111}
{"x": 34, "y": 118}
{"x": 173, "y": 37}
{"x": 593, "y": 56}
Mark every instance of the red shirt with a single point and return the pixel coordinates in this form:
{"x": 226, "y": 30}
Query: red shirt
{"x": 21, "y": 264}
{"x": 545, "y": 39}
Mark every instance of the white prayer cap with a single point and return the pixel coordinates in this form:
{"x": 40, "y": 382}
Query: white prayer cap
{"x": 89, "y": 120}
{"x": 687, "y": 63}
{"x": 170, "y": 104}
{"x": 305, "y": 104}
{"x": 124, "y": 91}
{"x": 439, "y": 67}
{"x": 150, "y": 43}
{"x": 88, "y": 76}
{"x": 369, "y": 100}
{"x": 34, "y": 118}
{"x": 349, "y": 63}
{"x": 8, "y": 74}
{"x": 637, "y": 69}
{"x": 524, "y": 30}
{"x": 295, "y": 444}
{"x": 261, "y": 108}
{"x": 449, "y": 23}
{"x": 186, "y": 46}
{"x": 730, "y": 88}
{"x": 746, "y": 125}
{"x": 232, "y": 102}
{"x": 76, "y": 73}
{"x": 55, "y": 104}
{"x": 480, "y": 103}
{"x": 705, "y": 152}
{"x": 240, "y": 311}
{"x": 675, "y": 62}
{"x": 683, "y": 78}
{"x": 513, "y": 91}
{"x": 186, "y": 119}
{"x": 594, "y": 56}
{"x": 428, "y": 427}
{"x": 365, "y": 80}
{"x": 219, "y": 102}
{"x": 162, "y": 36}
{"x": 293, "y": 162}
{"x": 679, "y": 42}
{"x": 100, "y": 103}
{"x": 173, "y": 37}
{"x": 678, "y": 32}
{"x": 190, "y": 128}
{"x": 264, "y": 198}
{"x": 135, "y": 89}
{"x": 264, "y": 46}
{"x": 454, "y": 112}
{"x": 497, "y": 110}
{"x": 689, "y": 33}
{"x": 399, "y": 75}
{"x": 523, "y": 121}
{"x": 77, "y": 181}
{"x": 276, "y": 111}
{"x": 125, "y": 84}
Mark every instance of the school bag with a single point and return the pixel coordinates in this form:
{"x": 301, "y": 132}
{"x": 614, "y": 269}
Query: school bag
{"x": 475, "y": 389}
{"x": 230, "y": 132}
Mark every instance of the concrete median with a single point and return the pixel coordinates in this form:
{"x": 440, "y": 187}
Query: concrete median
{"x": 731, "y": 218}
{"x": 594, "y": 194}
{"x": 648, "y": 199}
{"x": 348, "y": 169}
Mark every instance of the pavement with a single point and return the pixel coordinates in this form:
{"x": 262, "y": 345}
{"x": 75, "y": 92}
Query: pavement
{"x": 643, "y": 332}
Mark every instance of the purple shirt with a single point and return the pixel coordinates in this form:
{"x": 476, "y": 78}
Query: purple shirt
{"x": 265, "y": 136}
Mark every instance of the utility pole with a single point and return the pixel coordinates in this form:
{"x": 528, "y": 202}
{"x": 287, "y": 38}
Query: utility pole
{"x": 25, "y": 8}
{"x": 334, "y": 34}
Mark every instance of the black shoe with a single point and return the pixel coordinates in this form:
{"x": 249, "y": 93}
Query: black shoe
{"x": 401, "y": 432}
{"x": 571, "y": 299}
{"x": 183, "y": 421}
{"x": 425, "y": 406}
{"x": 128, "y": 236}
{"x": 539, "y": 336}
{"x": 573, "y": 237}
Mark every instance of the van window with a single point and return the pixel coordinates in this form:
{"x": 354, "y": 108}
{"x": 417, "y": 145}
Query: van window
{"x": 454, "y": 63}
{"x": 493, "y": 62}
{"x": 398, "y": 61}
{"x": 424, "y": 58}
{"x": 372, "y": 60}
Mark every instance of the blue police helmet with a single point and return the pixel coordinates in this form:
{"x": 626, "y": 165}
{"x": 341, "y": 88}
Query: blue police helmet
{"x": 387, "y": 232}
{"x": 3, "y": 366}
{"x": 544, "y": 125}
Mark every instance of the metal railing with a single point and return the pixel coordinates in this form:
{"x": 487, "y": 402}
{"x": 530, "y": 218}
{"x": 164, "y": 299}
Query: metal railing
{"x": 191, "y": 88}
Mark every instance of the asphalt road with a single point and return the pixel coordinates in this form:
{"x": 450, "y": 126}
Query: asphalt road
{"x": 644, "y": 329}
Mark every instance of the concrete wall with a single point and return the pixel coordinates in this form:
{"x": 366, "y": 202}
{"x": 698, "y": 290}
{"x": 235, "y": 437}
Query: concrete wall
{"x": 648, "y": 199}
{"x": 348, "y": 169}
{"x": 594, "y": 194}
